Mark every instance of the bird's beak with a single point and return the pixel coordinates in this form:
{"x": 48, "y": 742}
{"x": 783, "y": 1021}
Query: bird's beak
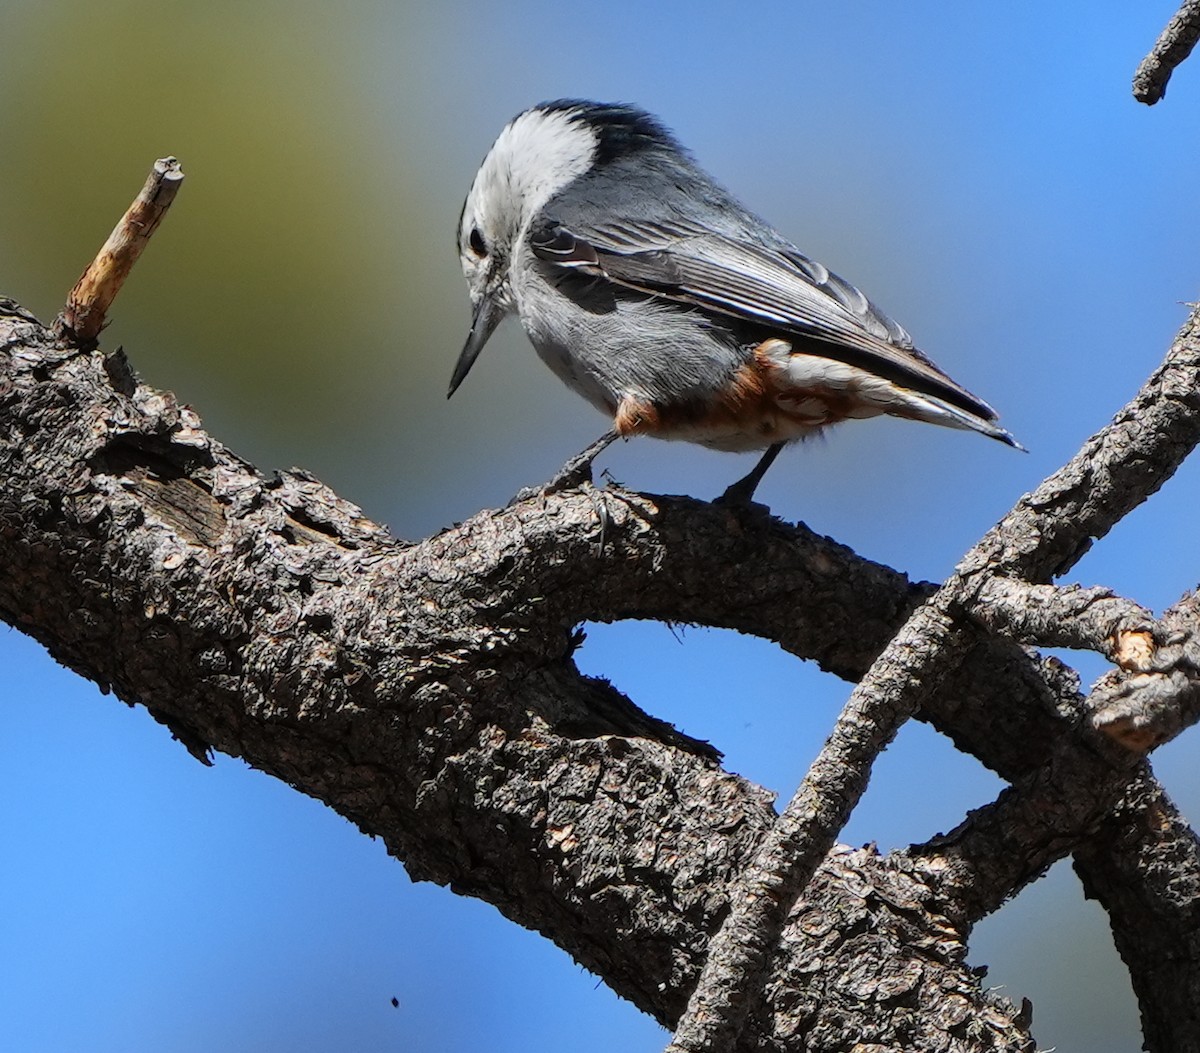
{"x": 488, "y": 314}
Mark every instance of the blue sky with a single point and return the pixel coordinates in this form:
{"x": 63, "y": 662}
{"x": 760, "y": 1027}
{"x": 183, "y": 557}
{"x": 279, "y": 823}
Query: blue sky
{"x": 981, "y": 171}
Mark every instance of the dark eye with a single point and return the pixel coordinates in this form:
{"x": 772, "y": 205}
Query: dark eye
{"x": 478, "y": 245}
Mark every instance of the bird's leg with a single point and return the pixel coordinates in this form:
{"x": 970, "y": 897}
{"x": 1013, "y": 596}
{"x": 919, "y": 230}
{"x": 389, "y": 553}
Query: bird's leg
{"x": 742, "y": 492}
{"x": 576, "y": 472}
{"x": 578, "y": 469}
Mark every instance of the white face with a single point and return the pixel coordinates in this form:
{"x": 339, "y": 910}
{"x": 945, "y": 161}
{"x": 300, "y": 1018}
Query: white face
{"x": 536, "y": 155}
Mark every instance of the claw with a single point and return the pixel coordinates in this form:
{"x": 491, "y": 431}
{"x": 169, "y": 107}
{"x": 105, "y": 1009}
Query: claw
{"x": 742, "y": 492}
{"x": 576, "y": 472}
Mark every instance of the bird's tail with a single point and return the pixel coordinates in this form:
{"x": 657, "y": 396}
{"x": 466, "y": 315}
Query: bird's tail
{"x": 934, "y": 410}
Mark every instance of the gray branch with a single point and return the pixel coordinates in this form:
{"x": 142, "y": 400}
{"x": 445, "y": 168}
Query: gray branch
{"x": 1148, "y": 704}
{"x": 910, "y": 667}
{"x": 426, "y": 691}
{"x": 931, "y": 642}
{"x": 1053, "y": 616}
{"x": 1154, "y": 694}
{"x": 1172, "y": 47}
{"x": 1158, "y": 936}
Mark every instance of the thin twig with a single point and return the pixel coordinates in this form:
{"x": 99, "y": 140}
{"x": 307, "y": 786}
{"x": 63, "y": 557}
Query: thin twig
{"x": 1172, "y": 47}
{"x": 87, "y": 306}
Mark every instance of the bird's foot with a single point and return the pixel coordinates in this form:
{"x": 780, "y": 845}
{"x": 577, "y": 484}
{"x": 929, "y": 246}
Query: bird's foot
{"x": 742, "y": 492}
{"x": 576, "y": 472}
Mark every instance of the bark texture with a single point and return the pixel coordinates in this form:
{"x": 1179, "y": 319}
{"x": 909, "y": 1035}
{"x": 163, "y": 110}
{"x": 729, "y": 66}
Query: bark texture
{"x": 427, "y": 692}
{"x": 1174, "y": 44}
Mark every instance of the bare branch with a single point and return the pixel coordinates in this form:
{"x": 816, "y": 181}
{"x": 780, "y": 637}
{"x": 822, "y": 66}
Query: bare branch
{"x": 931, "y": 642}
{"x": 1052, "y": 616}
{"x": 87, "y": 306}
{"x": 276, "y": 623}
{"x": 867, "y": 962}
{"x": 426, "y": 691}
{"x": 999, "y": 849}
{"x": 803, "y": 835}
{"x": 1172, "y": 47}
{"x": 1153, "y": 702}
{"x": 1143, "y": 865}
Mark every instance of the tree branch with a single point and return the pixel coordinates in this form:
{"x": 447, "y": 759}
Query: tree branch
{"x": 910, "y": 666}
{"x": 931, "y": 642}
{"x": 426, "y": 691}
{"x": 1143, "y": 865}
{"x": 1173, "y": 46}
{"x": 1052, "y": 616}
{"x": 87, "y": 306}
{"x": 1147, "y": 705}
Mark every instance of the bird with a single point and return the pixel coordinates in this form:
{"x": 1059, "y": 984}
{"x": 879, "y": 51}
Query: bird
{"x": 651, "y": 291}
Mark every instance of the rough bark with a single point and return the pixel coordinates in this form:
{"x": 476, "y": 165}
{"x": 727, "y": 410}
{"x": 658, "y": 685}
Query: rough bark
{"x": 996, "y": 584}
{"x": 426, "y": 691}
{"x": 1173, "y": 46}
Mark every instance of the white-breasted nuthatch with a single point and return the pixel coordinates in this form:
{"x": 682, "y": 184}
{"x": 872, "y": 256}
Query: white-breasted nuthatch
{"x": 654, "y": 294}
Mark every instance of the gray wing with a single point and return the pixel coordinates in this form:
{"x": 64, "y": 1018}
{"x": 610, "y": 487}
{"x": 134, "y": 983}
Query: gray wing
{"x": 755, "y": 279}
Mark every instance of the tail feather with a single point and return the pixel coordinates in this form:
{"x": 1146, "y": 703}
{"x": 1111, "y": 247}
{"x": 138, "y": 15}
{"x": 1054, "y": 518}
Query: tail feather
{"x": 939, "y": 411}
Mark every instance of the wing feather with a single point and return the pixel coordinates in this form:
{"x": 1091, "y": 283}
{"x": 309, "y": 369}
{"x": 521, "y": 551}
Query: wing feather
{"x": 773, "y": 286}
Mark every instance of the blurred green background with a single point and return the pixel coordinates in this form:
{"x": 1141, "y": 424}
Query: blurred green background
{"x": 980, "y": 170}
